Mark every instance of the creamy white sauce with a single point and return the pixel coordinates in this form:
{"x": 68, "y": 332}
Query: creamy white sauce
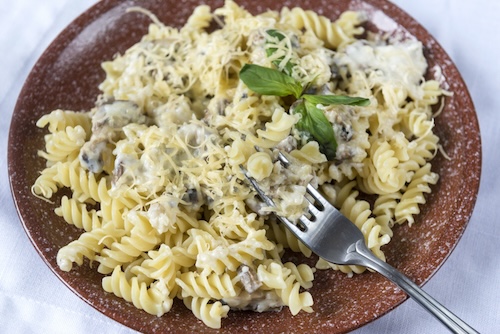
{"x": 402, "y": 63}
{"x": 107, "y": 122}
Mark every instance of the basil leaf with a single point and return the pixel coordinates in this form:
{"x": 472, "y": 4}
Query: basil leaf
{"x": 336, "y": 99}
{"x": 270, "y": 51}
{"x": 300, "y": 108}
{"x": 269, "y": 81}
{"x": 314, "y": 123}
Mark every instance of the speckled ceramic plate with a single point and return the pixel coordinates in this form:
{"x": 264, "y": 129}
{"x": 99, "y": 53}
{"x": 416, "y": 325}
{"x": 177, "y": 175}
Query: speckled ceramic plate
{"x": 67, "y": 76}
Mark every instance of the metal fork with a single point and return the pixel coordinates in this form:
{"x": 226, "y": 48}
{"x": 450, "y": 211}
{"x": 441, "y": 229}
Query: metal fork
{"x": 326, "y": 224}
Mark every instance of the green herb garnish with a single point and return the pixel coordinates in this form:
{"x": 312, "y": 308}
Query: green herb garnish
{"x": 268, "y": 81}
{"x": 336, "y": 99}
{"x": 313, "y": 122}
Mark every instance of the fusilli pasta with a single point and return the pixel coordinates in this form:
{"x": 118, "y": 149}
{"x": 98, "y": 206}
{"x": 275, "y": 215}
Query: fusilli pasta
{"x": 154, "y": 172}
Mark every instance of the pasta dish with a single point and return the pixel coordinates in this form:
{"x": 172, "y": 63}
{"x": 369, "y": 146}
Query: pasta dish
{"x": 154, "y": 168}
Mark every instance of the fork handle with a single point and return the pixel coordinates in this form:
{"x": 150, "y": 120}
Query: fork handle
{"x": 451, "y": 321}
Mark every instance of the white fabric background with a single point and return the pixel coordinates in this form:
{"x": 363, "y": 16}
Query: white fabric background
{"x": 33, "y": 300}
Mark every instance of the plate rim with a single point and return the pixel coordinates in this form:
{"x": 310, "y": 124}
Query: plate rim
{"x": 75, "y": 28}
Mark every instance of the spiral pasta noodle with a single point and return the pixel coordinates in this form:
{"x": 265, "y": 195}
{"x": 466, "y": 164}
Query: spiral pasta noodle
{"x": 151, "y": 300}
{"x": 413, "y": 196}
{"x": 87, "y": 246}
{"x": 281, "y": 235}
{"x": 208, "y": 286}
{"x": 331, "y": 33}
{"x": 84, "y": 185}
{"x": 210, "y": 313}
{"x": 45, "y": 185}
{"x": 231, "y": 257}
{"x": 293, "y": 298}
{"x": 59, "y": 120}
{"x": 63, "y": 145}
{"x": 162, "y": 264}
{"x": 141, "y": 239}
{"x": 76, "y": 213}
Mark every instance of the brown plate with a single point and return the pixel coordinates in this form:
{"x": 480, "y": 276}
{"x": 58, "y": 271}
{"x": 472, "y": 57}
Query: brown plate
{"x": 67, "y": 76}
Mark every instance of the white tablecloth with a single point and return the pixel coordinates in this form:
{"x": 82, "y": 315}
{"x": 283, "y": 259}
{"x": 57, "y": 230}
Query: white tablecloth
{"x": 33, "y": 300}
